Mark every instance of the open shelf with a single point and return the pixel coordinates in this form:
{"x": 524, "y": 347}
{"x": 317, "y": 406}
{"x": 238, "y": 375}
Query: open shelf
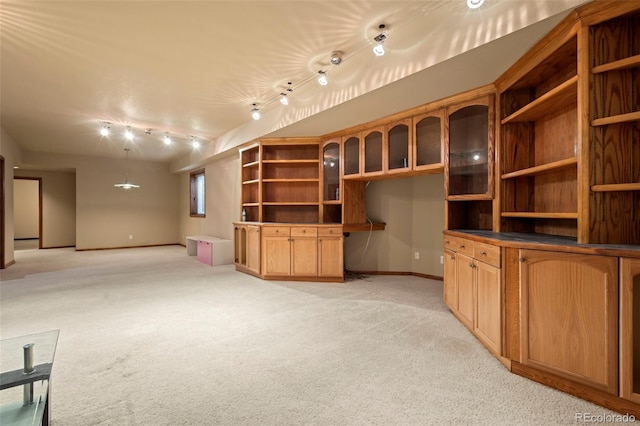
{"x": 287, "y": 180}
{"x": 615, "y": 119}
{"x": 250, "y": 182}
{"x": 252, "y": 164}
{"x": 332, "y": 202}
{"x": 289, "y": 203}
{"x": 250, "y": 204}
{"x": 290, "y": 161}
{"x": 557, "y": 98}
{"x": 540, "y": 215}
{"x": 615, "y": 187}
{"x": 544, "y": 168}
{"x": 630, "y": 62}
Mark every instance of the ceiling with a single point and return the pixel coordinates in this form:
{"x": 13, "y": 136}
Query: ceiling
{"x": 194, "y": 69}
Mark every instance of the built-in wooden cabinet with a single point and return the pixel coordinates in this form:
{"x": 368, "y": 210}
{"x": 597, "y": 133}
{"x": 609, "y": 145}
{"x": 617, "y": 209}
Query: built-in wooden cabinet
{"x": 251, "y": 184}
{"x": 614, "y": 184}
{"x": 428, "y": 131}
{"x": 302, "y": 251}
{"x": 247, "y": 247}
{"x": 373, "y": 158}
{"x": 630, "y": 329}
{"x": 473, "y": 288}
{"x": 352, "y": 155}
{"x": 399, "y": 137}
{"x": 331, "y": 181}
{"x": 469, "y": 163}
{"x": 569, "y": 318}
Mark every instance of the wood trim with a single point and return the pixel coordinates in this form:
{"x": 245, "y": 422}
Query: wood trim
{"x": 511, "y": 285}
{"x": 400, "y": 273}
{"x": 192, "y": 190}
{"x": 628, "y": 269}
{"x": 581, "y": 391}
{"x": 11, "y": 262}
{"x": 2, "y": 215}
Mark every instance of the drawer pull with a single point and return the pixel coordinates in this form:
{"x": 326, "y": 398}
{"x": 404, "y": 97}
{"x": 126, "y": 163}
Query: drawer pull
{"x": 453, "y": 258}
{"x": 471, "y": 265}
{"x": 483, "y": 253}
{"x": 461, "y": 246}
{"x": 521, "y": 259}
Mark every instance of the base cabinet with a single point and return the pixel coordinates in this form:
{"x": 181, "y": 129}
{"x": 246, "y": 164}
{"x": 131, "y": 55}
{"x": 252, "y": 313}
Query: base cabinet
{"x": 569, "y": 318}
{"x": 473, "y": 288}
{"x": 630, "y": 329}
{"x": 276, "y": 251}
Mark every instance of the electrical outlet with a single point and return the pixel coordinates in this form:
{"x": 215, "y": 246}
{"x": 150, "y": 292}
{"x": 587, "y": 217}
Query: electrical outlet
{"x": 416, "y": 255}
{"x": 130, "y": 236}
{"x": 442, "y": 260}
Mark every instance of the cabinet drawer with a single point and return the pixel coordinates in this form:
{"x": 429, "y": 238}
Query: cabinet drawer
{"x": 307, "y": 231}
{"x": 487, "y": 253}
{"x": 330, "y": 232}
{"x": 450, "y": 242}
{"x": 463, "y": 246}
{"x": 276, "y": 231}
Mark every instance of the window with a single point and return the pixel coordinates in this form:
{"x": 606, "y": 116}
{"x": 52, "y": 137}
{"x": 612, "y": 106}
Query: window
{"x": 197, "y": 193}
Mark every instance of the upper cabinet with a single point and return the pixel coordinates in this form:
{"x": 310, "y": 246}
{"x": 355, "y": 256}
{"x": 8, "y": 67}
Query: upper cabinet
{"x": 399, "y": 152}
{"x": 373, "y": 151}
{"x": 352, "y": 155}
{"x": 469, "y": 165}
{"x": 428, "y": 131}
{"x": 331, "y": 182}
{"x": 614, "y": 184}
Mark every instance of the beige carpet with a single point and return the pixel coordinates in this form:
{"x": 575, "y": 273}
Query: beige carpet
{"x": 153, "y": 337}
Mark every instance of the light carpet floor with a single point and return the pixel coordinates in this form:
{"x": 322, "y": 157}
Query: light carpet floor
{"x": 151, "y": 336}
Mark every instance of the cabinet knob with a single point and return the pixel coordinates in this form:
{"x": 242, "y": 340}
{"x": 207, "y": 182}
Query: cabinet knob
{"x": 446, "y": 241}
{"x": 453, "y": 258}
{"x": 471, "y": 265}
{"x": 521, "y": 259}
{"x": 483, "y": 253}
{"x": 461, "y": 246}
{"x": 304, "y": 231}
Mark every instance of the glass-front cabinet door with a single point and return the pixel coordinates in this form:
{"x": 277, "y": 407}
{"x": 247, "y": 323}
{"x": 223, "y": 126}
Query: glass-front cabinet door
{"x": 331, "y": 171}
{"x": 469, "y": 165}
{"x": 373, "y": 151}
{"x": 399, "y": 146}
{"x": 351, "y": 155}
{"x": 428, "y": 131}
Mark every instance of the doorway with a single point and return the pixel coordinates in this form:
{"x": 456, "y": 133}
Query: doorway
{"x": 27, "y": 218}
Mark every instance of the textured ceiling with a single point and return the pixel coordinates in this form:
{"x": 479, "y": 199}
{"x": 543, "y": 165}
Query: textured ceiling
{"x": 196, "y": 68}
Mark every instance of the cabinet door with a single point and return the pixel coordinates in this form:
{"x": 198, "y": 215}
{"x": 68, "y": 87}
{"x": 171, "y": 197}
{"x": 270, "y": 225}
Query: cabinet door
{"x": 488, "y": 312}
{"x": 330, "y": 259}
{"x": 469, "y": 163}
{"x": 630, "y": 329}
{"x": 253, "y": 248}
{"x": 569, "y": 318}
{"x": 465, "y": 279}
{"x": 450, "y": 284}
{"x": 374, "y": 152}
{"x": 304, "y": 256}
{"x": 351, "y": 153}
{"x": 276, "y": 255}
{"x": 399, "y": 136}
{"x": 428, "y": 141}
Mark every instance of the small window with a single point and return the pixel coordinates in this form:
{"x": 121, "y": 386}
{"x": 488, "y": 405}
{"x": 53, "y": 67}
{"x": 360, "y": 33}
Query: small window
{"x": 197, "y": 193}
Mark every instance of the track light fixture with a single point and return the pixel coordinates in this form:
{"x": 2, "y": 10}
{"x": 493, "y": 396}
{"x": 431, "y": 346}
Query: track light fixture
{"x": 283, "y": 99}
{"x": 255, "y": 112}
{"x": 166, "y": 139}
{"x": 194, "y": 143}
{"x": 336, "y": 57}
{"x": 322, "y": 79}
{"x": 104, "y": 130}
{"x": 128, "y": 134}
{"x": 378, "y": 49}
{"x": 474, "y": 4}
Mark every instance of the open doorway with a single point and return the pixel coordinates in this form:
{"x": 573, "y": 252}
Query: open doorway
{"x": 27, "y": 213}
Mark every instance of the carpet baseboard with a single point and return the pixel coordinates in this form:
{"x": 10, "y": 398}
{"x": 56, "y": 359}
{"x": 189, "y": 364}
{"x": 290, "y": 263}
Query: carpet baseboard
{"x": 415, "y": 274}
{"x": 127, "y": 247}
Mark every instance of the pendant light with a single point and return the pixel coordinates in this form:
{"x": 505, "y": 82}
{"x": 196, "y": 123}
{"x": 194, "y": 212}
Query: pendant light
{"x": 126, "y": 184}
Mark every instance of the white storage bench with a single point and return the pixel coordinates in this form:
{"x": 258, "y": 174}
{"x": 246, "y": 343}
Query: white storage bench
{"x": 210, "y": 250}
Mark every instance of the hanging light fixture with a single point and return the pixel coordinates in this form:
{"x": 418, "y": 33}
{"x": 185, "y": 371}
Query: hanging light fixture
{"x": 126, "y": 184}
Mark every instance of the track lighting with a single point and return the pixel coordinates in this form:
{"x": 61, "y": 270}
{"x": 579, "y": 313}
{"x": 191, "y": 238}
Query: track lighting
{"x": 336, "y": 57}
{"x": 474, "y": 4}
{"x": 104, "y": 130}
{"x": 255, "y": 112}
{"x": 166, "y": 139}
{"x": 128, "y": 134}
{"x": 195, "y": 144}
{"x": 322, "y": 79}
{"x": 283, "y": 99}
{"x": 378, "y": 49}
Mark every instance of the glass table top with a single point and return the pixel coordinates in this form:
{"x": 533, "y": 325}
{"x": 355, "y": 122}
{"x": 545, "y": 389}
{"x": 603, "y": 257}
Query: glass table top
{"x": 13, "y": 410}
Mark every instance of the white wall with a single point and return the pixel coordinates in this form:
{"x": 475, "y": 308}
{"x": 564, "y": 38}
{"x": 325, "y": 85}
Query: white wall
{"x": 12, "y": 155}
{"x": 26, "y": 209}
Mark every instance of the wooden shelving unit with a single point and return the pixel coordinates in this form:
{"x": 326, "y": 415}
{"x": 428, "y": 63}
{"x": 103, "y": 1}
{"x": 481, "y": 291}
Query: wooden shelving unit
{"x": 614, "y": 152}
{"x": 540, "y": 141}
